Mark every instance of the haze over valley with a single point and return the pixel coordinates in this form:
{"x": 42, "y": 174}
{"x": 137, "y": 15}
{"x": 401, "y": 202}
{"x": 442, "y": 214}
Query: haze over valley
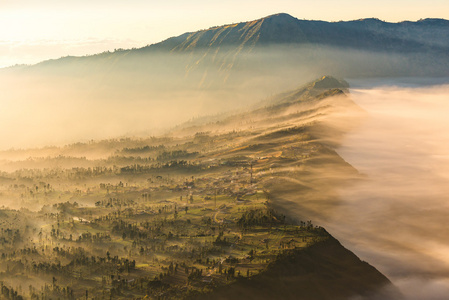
{"x": 232, "y": 162}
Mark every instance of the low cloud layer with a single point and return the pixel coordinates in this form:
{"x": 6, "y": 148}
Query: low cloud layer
{"x": 396, "y": 217}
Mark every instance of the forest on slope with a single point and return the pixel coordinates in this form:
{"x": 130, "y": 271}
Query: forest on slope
{"x": 193, "y": 212}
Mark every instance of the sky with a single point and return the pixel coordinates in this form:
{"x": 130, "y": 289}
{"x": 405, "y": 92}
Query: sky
{"x": 32, "y": 31}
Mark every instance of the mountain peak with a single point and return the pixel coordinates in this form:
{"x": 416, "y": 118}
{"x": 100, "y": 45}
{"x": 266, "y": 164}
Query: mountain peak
{"x": 373, "y": 20}
{"x": 433, "y": 21}
{"x": 329, "y": 82}
{"x": 323, "y": 87}
{"x": 279, "y": 16}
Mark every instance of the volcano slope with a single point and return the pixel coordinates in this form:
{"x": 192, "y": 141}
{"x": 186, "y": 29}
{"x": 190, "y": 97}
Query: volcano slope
{"x": 206, "y": 72}
{"x": 202, "y": 212}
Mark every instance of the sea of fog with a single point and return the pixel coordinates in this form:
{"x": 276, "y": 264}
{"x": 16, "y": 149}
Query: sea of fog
{"x": 397, "y": 217}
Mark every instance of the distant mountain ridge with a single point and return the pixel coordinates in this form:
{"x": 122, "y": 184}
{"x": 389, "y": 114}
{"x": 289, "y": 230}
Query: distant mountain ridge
{"x": 406, "y": 48}
{"x": 425, "y": 35}
{"x": 251, "y": 60}
{"x": 282, "y": 28}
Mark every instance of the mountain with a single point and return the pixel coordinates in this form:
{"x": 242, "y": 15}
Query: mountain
{"x": 215, "y": 209}
{"x": 370, "y": 34}
{"x": 227, "y": 67}
{"x": 364, "y": 47}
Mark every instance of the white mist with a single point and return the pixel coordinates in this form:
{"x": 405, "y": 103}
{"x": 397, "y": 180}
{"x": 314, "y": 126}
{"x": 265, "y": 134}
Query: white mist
{"x": 397, "y": 218}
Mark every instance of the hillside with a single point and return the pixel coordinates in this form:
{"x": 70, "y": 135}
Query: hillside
{"x": 201, "y": 210}
{"x": 278, "y": 43}
{"x": 369, "y": 34}
{"x": 207, "y": 72}
{"x": 325, "y": 270}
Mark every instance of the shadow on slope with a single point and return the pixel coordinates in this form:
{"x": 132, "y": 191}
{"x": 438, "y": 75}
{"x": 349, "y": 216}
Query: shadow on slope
{"x": 325, "y": 270}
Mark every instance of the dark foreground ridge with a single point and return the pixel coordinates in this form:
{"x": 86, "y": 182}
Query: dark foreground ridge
{"x": 325, "y": 270}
